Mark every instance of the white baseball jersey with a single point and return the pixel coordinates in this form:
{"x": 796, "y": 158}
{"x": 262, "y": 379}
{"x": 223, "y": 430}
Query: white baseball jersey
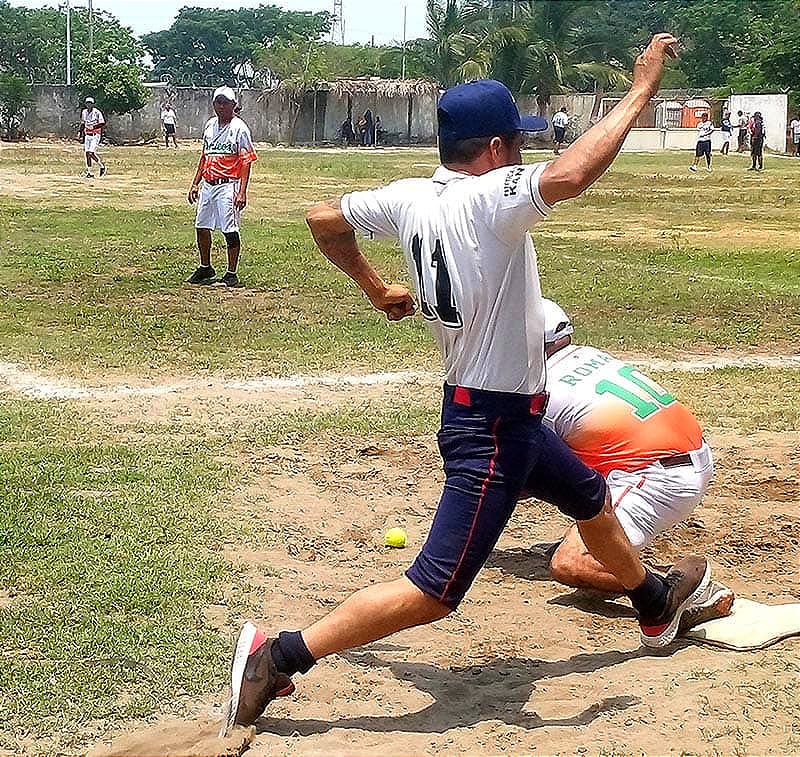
{"x": 226, "y": 149}
{"x": 473, "y": 265}
{"x": 561, "y": 120}
{"x": 612, "y": 415}
{"x": 168, "y": 117}
{"x": 704, "y": 130}
{"x": 795, "y": 127}
{"x": 92, "y": 121}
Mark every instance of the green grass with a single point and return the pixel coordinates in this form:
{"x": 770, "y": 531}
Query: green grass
{"x": 94, "y": 280}
{"x": 108, "y": 551}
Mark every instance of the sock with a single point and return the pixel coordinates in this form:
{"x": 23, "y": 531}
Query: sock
{"x": 290, "y": 653}
{"x": 650, "y": 597}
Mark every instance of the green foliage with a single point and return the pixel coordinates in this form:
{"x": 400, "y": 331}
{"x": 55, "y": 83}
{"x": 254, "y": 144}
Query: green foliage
{"x": 15, "y": 95}
{"x": 210, "y": 46}
{"x": 117, "y": 87}
{"x": 34, "y": 42}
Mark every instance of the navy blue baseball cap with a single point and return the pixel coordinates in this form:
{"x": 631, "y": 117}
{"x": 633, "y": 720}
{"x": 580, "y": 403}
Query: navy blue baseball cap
{"x": 482, "y": 108}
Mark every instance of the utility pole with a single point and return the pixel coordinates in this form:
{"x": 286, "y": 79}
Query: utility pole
{"x": 91, "y": 29}
{"x": 337, "y": 27}
{"x": 69, "y": 47}
{"x": 403, "y": 67}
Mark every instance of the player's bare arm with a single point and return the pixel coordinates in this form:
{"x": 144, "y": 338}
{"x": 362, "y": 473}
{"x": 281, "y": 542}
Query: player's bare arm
{"x": 588, "y": 157}
{"x": 336, "y": 239}
{"x": 240, "y": 200}
{"x": 194, "y": 190}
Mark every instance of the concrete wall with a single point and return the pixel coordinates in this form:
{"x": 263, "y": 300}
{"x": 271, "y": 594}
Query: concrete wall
{"x": 652, "y": 140}
{"x": 56, "y": 112}
{"x": 772, "y": 107}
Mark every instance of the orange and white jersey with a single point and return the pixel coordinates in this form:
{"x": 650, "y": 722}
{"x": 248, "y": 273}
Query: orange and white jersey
{"x": 92, "y": 121}
{"x": 226, "y": 149}
{"x": 612, "y": 415}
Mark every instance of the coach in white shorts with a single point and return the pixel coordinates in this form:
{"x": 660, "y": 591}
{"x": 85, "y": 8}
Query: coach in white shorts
{"x": 224, "y": 168}
{"x": 648, "y": 445}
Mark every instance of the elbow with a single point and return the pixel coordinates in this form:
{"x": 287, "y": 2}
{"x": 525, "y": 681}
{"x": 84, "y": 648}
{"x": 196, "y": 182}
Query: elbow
{"x": 315, "y": 216}
{"x": 563, "y": 184}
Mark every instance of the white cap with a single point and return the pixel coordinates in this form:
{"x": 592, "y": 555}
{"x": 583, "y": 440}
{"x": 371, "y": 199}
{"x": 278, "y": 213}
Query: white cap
{"x": 556, "y": 322}
{"x": 225, "y": 92}
{"x": 89, "y": 99}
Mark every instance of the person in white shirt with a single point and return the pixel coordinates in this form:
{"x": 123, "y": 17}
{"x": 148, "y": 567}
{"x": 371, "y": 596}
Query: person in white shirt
{"x": 464, "y": 233}
{"x": 560, "y": 123}
{"x": 704, "y": 131}
{"x": 649, "y": 447}
{"x": 168, "y": 121}
{"x": 91, "y": 129}
{"x": 794, "y": 128}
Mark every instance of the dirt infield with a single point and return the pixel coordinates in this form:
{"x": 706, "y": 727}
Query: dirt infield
{"x": 524, "y": 666}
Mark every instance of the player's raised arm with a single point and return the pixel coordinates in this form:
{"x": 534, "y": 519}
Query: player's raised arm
{"x": 336, "y": 239}
{"x": 587, "y": 158}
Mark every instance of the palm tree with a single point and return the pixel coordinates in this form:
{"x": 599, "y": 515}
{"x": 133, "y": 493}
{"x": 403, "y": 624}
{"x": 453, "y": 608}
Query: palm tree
{"x": 462, "y": 41}
{"x": 559, "y": 46}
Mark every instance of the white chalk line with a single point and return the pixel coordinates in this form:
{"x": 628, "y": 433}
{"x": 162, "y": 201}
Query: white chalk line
{"x": 18, "y": 380}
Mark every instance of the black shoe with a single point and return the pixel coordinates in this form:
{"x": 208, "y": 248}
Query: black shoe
{"x": 203, "y": 274}
{"x": 102, "y": 170}
{"x": 230, "y": 280}
{"x": 255, "y": 681}
{"x": 687, "y": 585}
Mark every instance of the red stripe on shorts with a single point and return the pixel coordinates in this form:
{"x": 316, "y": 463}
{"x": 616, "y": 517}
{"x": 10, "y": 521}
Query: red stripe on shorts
{"x": 484, "y": 488}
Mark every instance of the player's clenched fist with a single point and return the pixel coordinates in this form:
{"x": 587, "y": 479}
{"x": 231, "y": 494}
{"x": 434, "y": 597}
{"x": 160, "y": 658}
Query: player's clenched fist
{"x": 396, "y": 301}
{"x": 650, "y": 64}
{"x": 193, "y": 194}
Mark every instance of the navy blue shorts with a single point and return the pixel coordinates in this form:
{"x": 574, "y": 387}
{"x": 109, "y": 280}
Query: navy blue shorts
{"x": 494, "y": 448}
{"x": 703, "y": 147}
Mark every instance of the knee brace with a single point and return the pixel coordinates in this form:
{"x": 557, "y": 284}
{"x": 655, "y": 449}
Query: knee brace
{"x": 232, "y": 238}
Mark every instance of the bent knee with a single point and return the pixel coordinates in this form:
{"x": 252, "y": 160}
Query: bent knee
{"x": 565, "y": 564}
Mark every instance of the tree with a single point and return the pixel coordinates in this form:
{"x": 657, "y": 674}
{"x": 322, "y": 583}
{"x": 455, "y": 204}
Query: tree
{"x": 461, "y": 44}
{"x": 299, "y": 66}
{"x": 116, "y": 87}
{"x": 560, "y": 47}
{"x": 15, "y": 96}
{"x": 210, "y": 46}
{"x": 34, "y": 47}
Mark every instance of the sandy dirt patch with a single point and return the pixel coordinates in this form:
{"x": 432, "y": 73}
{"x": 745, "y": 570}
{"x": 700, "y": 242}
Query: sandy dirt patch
{"x": 525, "y": 666}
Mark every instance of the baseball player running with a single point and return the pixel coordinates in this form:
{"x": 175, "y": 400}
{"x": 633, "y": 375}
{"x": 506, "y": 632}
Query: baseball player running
{"x": 92, "y": 123}
{"x": 648, "y": 445}
{"x": 224, "y": 168}
{"x": 465, "y": 236}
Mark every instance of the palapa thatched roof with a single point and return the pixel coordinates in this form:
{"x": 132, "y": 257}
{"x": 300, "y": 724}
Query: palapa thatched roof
{"x": 374, "y": 85}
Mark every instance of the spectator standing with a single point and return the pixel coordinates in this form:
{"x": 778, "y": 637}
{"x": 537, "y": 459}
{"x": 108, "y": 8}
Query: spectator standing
{"x": 368, "y": 134}
{"x": 346, "y": 132}
{"x": 757, "y": 134}
{"x": 727, "y": 129}
{"x": 742, "y": 136}
{"x": 168, "y": 121}
{"x": 560, "y": 123}
{"x": 703, "y": 148}
{"x": 794, "y": 128}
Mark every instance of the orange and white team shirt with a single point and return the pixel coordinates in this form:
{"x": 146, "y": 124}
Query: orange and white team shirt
{"x": 612, "y": 415}
{"x": 226, "y": 150}
{"x": 92, "y": 121}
